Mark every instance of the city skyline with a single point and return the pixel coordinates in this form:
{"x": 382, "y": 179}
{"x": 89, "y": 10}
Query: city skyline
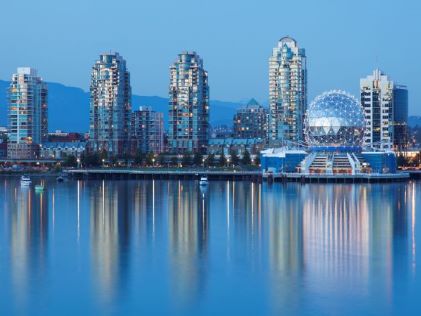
{"x": 150, "y": 52}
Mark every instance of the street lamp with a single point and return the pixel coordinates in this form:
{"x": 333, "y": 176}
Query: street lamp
{"x": 78, "y": 162}
{"x": 153, "y": 162}
{"x": 103, "y": 160}
{"x": 203, "y": 162}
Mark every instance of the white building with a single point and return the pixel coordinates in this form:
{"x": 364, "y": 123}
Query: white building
{"x": 61, "y": 150}
{"x": 385, "y": 106}
{"x": 287, "y": 92}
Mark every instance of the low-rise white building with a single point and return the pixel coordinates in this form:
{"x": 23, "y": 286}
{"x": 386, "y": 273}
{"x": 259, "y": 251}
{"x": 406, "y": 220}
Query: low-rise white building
{"x": 61, "y": 150}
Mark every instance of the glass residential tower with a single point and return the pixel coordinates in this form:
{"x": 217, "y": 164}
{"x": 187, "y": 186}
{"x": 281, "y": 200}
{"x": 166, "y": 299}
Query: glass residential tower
{"x": 110, "y": 105}
{"x": 188, "y": 105}
{"x": 287, "y": 92}
{"x": 28, "y": 114}
{"x": 385, "y": 107}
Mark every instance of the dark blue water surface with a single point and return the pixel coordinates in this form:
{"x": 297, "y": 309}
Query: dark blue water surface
{"x": 168, "y": 247}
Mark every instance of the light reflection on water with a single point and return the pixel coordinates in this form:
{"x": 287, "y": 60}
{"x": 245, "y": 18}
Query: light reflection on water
{"x": 168, "y": 247}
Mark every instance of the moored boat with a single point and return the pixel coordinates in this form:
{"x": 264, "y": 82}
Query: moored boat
{"x": 203, "y": 181}
{"x": 25, "y": 180}
{"x": 39, "y": 188}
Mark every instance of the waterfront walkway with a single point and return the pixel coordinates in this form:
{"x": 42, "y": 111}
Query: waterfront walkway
{"x": 232, "y": 174}
{"x": 335, "y": 178}
{"x": 163, "y": 173}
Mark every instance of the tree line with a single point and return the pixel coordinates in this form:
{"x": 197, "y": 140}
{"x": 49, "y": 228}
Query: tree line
{"x": 97, "y": 159}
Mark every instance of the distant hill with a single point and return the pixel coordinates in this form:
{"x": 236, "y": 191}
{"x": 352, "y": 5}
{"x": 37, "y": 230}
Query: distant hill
{"x": 69, "y": 107}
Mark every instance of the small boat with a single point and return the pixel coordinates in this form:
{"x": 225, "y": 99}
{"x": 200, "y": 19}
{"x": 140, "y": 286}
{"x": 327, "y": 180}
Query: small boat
{"x": 25, "y": 180}
{"x": 203, "y": 181}
{"x": 39, "y": 188}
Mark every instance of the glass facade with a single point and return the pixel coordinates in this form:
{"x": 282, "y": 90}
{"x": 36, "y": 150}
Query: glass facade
{"x": 378, "y": 101}
{"x": 400, "y": 117}
{"x": 110, "y": 105}
{"x": 28, "y": 114}
{"x": 251, "y": 121}
{"x": 188, "y": 105}
{"x": 147, "y": 131}
{"x": 334, "y": 119}
{"x": 287, "y": 92}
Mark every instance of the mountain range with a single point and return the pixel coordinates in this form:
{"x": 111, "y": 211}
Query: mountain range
{"x": 68, "y": 107}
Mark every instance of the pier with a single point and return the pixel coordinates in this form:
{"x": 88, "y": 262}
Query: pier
{"x": 164, "y": 174}
{"x": 335, "y": 178}
{"x": 234, "y": 175}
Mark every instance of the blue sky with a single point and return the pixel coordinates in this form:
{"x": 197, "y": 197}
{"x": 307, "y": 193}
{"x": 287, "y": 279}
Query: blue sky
{"x": 344, "y": 41}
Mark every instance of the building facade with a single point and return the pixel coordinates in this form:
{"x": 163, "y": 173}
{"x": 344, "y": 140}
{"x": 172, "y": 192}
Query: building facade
{"x": 385, "y": 106}
{"x": 400, "y": 118}
{"x": 188, "y": 105}
{"x": 3, "y": 142}
{"x": 61, "y": 150}
{"x": 147, "y": 131}
{"x": 239, "y": 145}
{"x": 110, "y": 105}
{"x": 287, "y": 92}
{"x": 251, "y": 121}
{"x": 59, "y": 136}
{"x": 28, "y": 114}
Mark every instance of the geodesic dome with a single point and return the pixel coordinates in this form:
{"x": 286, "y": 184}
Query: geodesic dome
{"x": 334, "y": 118}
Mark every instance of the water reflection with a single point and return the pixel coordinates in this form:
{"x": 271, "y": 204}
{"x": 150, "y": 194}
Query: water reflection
{"x": 336, "y": 235}
{"x": 285, "y": 243}
{"x": 188, "y": 233}
{"x": 28, "y": 213}
{"x": 110, "y": 236}
{"x": 294, "y": 247}
{"x": 243, "y": 219}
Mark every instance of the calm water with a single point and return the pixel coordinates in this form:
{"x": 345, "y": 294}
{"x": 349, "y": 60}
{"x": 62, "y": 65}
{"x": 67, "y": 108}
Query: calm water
{"x": 166, "y": 247}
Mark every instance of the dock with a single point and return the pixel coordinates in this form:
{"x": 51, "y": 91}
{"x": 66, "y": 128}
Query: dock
{"x": 163, "y": 174}
{"x": 234, "y": 175}
{"x": 335, "y": 178}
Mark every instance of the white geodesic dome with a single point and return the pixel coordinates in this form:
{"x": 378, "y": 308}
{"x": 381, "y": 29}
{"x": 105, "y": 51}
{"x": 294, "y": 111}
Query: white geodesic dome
{"x": 334, "y": 118}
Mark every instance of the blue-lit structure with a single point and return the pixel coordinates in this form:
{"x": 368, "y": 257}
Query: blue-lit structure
{"x": 381, "y": 162}
{"x": 333, "y": 120}
{"x": 281, "y": 159}
{"x": 334, "y": 129}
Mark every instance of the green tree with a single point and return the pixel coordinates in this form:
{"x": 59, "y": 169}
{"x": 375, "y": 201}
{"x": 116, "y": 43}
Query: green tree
{"x": 150, "y": 158}
{"x": 113, "y": 160}
{"x": 197, "y": 159}
{"x": 222, "y": 160}
{"x": 103, "y": 154}
{"x": 187, "y": 161}
{"x": 174, "y": 161}
{"x": 162, "y": 159}
{"x": 70, "y": 161}
{"x": 210, "y": 160}
{"x": 125, "y": 157}
{"x": 234, "y": 157}
{"x": 246, "y": 160}
{"x": 139, "y": 158}
{"x": 91, "y": 159}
